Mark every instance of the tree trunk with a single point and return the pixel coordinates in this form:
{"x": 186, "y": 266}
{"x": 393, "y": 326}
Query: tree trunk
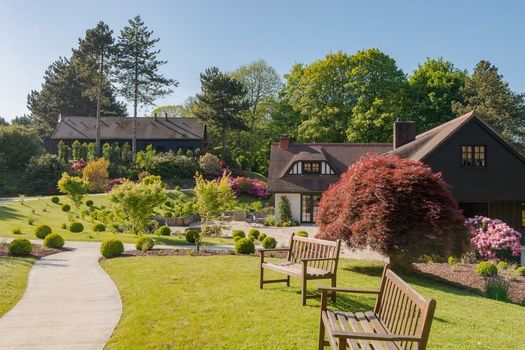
{"x": 135, "y": 105}
{"x": 223, "y": 142}
{"x": 99, "y": 92}
{"x": 400, "y": 262}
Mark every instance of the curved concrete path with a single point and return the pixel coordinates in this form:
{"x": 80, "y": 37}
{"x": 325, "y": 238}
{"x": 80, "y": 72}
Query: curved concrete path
{"x": 70, "y": 303}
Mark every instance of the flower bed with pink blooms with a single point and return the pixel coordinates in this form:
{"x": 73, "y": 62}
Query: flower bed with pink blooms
{"x": 248, "y": 186}
{"x": 489, "y": 236}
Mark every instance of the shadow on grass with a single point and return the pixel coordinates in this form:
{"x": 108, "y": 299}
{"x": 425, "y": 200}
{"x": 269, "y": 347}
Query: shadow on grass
{"x": 7, "y": 213}
{"x": 369, "y": 270}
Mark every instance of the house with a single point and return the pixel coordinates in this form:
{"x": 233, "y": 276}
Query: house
{"x": 163, "y": 134}
{"x": 485, "y": 173}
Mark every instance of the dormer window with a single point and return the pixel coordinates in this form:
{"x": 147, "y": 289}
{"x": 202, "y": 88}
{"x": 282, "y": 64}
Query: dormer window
{"x": 311, "y": 167}
{"x": 473, "y": 155}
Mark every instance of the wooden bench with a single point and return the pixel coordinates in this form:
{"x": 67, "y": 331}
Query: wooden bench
{"x": 401, "y": 319}
{"x": 308, "y": 259}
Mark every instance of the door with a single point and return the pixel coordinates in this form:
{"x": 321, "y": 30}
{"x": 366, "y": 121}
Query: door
{"x": 309, "y": 207}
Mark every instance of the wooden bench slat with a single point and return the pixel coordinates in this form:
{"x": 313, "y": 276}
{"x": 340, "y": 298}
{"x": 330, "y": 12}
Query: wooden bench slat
{"x": 378, "y": 328}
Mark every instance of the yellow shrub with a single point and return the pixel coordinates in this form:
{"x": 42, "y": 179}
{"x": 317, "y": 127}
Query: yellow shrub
{"x": 95, "y": 174}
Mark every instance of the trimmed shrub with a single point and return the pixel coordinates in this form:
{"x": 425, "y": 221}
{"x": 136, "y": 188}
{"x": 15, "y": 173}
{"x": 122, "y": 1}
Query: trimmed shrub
{"x": 168, "y": 214}
{"x": 486, "y": 269}
{"x": 238, "y": 234}
{"x": 285, "y": 209}
{"x": 55, "y": 199}
{"x": 163, "y": 231}
{"x": 302, "y": 233}
{"x": 269, "y": 221}
{"x": 251, "y": 238}
{"x": 452, "y": 260}
{"x": 521, "y": 271}
{"x": 76, "y": 227}
{"x": 66, "y": 208}
{"x": 262, "y": 236}
{"x": 42, "y": 231}
{"x": 254, "y": 233}
{"x": 144, "y": 243}
{"x": 89, "y": 203}
{"x": 502, "y": 265}
{"x": 269, "y": 243}
{"x": 244, "y": 246}
{"x": 99, "y": 227}
{"x": 191, "y": 236}
{"x": 54, "y": 240}
{"x": 64, "y": 226}
{"x": 17, "y": 231}
{"x": 111, "y": 248}
{"x": 20, "y": 246}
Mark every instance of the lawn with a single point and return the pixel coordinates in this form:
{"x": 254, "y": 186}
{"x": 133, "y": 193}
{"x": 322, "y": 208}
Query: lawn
{"x": 43, "y": 211}
{"x": 13, "y": 280}
{"x": 191, "y": 302}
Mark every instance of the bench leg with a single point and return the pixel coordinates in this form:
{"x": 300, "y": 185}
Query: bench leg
{"x": 303, "y": 290}
{"x": 261, "y": 278}
{"x": 287, "y": 281}
{"x": 334, "y": 284}
{"x": 321, "y": 336}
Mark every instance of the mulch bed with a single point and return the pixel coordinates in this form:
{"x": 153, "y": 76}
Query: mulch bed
{"x": 177, "y": 252}
{"x": 39, "y": 251}
{"x": 465, "y": 275}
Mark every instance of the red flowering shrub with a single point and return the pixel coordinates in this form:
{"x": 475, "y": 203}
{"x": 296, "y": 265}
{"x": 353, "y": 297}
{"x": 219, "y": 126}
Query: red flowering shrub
{"x": 113, "y": 182}
{"x": 249, "y": 186}
{"x": 79, "y": 165}
{"x": 397, "y": 207}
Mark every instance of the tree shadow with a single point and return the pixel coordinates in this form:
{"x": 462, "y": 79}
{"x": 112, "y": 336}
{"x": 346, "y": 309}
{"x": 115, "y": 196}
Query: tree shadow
{"x": 7, "y": 213}
{"x": 369, "y": 270}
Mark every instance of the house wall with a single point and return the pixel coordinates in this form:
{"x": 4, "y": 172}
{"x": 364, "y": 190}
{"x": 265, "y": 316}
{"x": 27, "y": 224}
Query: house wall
{"x": 295, "y": 204}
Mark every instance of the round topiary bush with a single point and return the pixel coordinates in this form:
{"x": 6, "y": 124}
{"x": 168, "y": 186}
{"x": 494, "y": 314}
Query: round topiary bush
{"x": 66, "y": 208}
{"x": 262, "y": 236}
{"x": 244, "y": 246}
{"x": 99, "y": 227}
{"x": 191, "y": 236}
{"x": 54, "y": 240}
{"x": 302, "y": 233}
{"x": 20, "y": 246}
{"x": 168, "y": 204}
{"x": 144, "y": 243}
{"x": 254, "y": 233}
{"x": 42, "y": 231}
{"x": 17, "y": 231}
{"x": 89, "y": 203}
{"x": 111, "y": 248}
{"x": 55, "y": 199}
{"x": 76, "y": 227}
{"x": 168, "y": 214}
{"x": 269, "y": 243}
{"x": 521, "y": 271}
{"x": 452, "y": 260}
{"x": 502, "y": 265}
{"x": 163, "y": 231}
{"x": 486, "y": 269}
{"x": 238, "y": 234}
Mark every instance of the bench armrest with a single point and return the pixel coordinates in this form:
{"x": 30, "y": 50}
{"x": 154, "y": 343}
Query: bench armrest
{"x": 347, "y": 290}
{"x": 375, "y": 336}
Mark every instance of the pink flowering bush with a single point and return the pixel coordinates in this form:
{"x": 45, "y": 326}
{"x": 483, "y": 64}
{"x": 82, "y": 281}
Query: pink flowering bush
{"x": 79, "y": 165}
{"x": 251, "y": 187}
{"x": 113, "y": 182}
{"x": 491, "y": 235}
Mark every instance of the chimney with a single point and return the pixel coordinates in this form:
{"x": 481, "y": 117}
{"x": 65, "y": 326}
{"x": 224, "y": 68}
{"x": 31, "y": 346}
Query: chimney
{"x": 284, "y": 143}
{"x": 404, "y": 132}
{"x": 165, "y": 116}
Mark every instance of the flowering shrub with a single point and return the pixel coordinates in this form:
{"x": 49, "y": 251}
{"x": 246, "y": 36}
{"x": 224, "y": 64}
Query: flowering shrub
{"x": 490, "y": 235}
{"x": 113, "y": 182}
{"x": 248, "y": 186}
{"x": 79, "y": 165}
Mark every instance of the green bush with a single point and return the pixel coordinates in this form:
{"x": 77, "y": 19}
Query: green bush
{"x": 168, "y": 214}
{"x": 497, "y": 288}
{"x": 76, "y": 227}
{"x": 452, "y": 260}
{"x": 64, "y": 226}
{"x": 486, "y": 269}
{"x": 251, "y": 238}
{"x": 302, "y": 233}
{"x": 168, "y": 204}
{"x": 99, "y": 227}
{"x": 54, "y": 240}
{"x": 254, "y": 233}
{"x": 17, "y": 231}
{"x": 163, "y": 231}
{"x": 89, "y": 203}
{"x": 269, "y": 221}
{"x": 503, "y": 265}
{"x": 269, "y": 243}
{"x": 521, "y": 271}
{"x": 192, "y": 236}
{"x": 111, "y": 248}
{"x": 66, "y": 208}
{"x": 20, "y": 246}
{"x": 262, "y": 236}
{"x": 244, "y": 246}
{"x": 430, "y": 259}
{"x": 144, "y": 243}
{"x": 238, "y": 234}
{"x": 42, "y": 174}
{"x": 55, "y": 199}
{"x": 42, "y": 231}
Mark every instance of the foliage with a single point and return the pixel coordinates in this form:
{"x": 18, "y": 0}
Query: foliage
{"x": 173, "y": 111}
{"x": 146, "y": 159}
{"x": 73, "y": 187}
{"x": 502, "y": 265}
{"x": 144, "y": 243}
{"x": 171, "y": 167}
{"x": 55, "y": 199}
{"x": 191, "y": 236}
{"x": 17, "y": 231}
{"x": 497, "y": 288}
{"x": 285, "y": 210}
{"x": 17, "y": 146}
{"x": 371, "y": 202}
{"x": 42, "y": 174}
{"x": 486, "y": 269}
{"x": 111, "y": 248}
{"x": 213, "y": 196}
{"x": 302, "y": 233}
{"x": 269, "y": 243}
{"x": 262, "y": 236}
{"x": 66, "y": 208}
{"x": 269, "y": 220}
{"x": 254, "y": 233}
{"x": 163, "y": 231}
{"x": 76, "y": 227}
{"x": 249, "y": 186}
{"x": 489, "y": 236}
{"x": 238, "y": 234}
{"x": 134, "y": 203}
{"x": 89, "y": 203}
{"x": 95, "y": 174}
{"x": 452, "y": 261}
{"x": 113, "y": 182}
{"x": 99, "y": 227}
{"x": 210, "y": 164}
{"x": 521, "y": 271}
{"x": 244, "y": 246}
{"x": 20, "y": 246}
{"x": 78, "y": 165}
{"x": 54, "y": 240}
{"x": 41, "y": 231}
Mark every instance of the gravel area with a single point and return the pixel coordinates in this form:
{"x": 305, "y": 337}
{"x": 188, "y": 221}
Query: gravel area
{"x": 39, "y": 251}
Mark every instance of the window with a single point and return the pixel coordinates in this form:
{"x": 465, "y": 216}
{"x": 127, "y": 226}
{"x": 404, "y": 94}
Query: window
{"x": 309, "y": 207}
{"x": 473, "y": 155}
{"x": 311, "y": 168}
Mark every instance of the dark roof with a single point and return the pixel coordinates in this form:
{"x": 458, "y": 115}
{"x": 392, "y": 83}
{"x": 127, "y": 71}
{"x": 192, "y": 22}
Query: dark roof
{"x": 120, "y": 128}
{"x": 339, "y": 155}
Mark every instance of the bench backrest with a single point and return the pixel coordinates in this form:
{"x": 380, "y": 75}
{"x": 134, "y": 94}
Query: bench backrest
{"x": 404, "y": 311}
{"x": 311, "y": 248}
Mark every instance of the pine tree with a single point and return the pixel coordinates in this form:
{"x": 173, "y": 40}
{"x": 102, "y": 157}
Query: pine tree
{"x": 136, "y": 69}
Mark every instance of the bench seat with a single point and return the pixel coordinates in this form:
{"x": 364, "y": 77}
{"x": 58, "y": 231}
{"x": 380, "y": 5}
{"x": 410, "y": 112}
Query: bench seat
{"x": 295, "y": 269}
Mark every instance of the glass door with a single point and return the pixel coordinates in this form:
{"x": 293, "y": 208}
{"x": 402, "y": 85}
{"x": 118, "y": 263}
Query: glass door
{"x": 309, "y": 207}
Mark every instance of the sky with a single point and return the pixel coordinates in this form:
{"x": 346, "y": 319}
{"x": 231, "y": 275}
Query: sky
{"x": 198, "y": 34}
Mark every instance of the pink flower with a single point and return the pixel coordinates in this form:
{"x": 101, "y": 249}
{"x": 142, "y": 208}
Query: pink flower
{"x": 490, "y": 235}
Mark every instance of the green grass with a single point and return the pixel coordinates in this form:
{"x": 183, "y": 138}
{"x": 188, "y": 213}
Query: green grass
{"x": 43, "y": 211}
{"x": 214, "y": 302}
{"x": 13, "y": 280}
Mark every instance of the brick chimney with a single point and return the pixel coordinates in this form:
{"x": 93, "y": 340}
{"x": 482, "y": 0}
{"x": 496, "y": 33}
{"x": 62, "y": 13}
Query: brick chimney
{"x": 284, "y": 143}
{"x": 404, "y": 132}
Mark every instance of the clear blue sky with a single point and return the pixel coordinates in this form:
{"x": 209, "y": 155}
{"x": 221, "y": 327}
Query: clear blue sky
{"x": 198, "y": 34}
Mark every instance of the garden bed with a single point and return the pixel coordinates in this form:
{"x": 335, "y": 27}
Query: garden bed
{"x": 177, "y": 252}
{"x": 39, "y": 251}
{"x": 465, "y": 275}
